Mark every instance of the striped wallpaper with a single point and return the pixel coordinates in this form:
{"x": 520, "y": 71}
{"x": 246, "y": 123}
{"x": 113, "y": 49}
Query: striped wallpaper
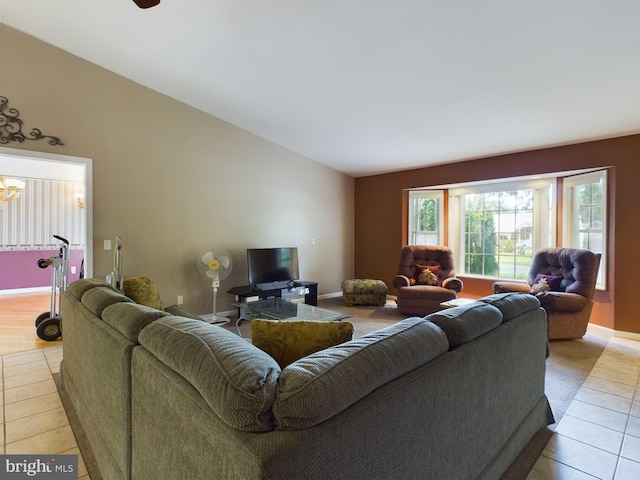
{"x": 44, "y": 208}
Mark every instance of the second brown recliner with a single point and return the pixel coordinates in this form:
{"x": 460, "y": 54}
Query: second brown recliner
{"x": 570, "y": 276}
{"x": 418, "y": 292}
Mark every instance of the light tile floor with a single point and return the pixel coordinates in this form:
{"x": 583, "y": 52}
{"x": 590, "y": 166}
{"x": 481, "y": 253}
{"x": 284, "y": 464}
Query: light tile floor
{"x": 32, "y": 416}
{"x": 599, "y": 436}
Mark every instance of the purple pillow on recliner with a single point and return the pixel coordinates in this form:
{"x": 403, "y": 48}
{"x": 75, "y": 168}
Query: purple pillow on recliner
{"x": 552, "y": 280}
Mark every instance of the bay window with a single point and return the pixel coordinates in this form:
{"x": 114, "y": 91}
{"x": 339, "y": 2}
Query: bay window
{"x": 495, "y": 227}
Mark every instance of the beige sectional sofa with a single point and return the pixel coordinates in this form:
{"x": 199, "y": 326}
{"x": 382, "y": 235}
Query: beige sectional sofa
{"x": 457, "y": 394}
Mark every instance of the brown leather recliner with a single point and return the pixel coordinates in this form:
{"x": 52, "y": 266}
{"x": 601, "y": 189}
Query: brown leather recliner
{"x": 568, "y": 304}
{"x": 421, "y": 298}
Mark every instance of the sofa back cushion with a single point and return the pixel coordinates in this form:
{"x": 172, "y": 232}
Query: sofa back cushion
{"x": 317, "y": 387}
{"x": 99, "y": 298}
{"x": 237, "y": 380}
{"x": 80, "y": 287}
{"x": 463, "y": 324}
{"x": 513, "y": 304}
{"x": 130, "y": 318}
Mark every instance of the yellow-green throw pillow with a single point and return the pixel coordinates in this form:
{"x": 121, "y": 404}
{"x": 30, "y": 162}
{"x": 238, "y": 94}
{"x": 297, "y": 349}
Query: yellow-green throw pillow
{"x": 287, "y": 341}
{"x": 143, "y": 291}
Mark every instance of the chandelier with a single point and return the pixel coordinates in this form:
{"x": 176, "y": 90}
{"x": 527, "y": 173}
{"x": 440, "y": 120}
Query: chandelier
{"x": 10, "y": 189}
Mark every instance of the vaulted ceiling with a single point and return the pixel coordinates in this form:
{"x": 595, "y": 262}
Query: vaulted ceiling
{"x": 373, "y": 86}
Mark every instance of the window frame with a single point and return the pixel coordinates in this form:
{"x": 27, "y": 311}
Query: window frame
{"x": 570, "y": 211}
{"x": 544, "y": 197}
{"x": 434, "y": 194}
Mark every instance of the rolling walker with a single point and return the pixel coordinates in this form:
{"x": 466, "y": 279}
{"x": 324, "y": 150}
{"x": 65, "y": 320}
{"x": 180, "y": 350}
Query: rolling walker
{"x": 49, "y": 324}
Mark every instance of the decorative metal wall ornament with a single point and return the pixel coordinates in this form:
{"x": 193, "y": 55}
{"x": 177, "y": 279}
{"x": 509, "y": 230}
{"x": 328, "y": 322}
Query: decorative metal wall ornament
{"x": 11, "y": 127}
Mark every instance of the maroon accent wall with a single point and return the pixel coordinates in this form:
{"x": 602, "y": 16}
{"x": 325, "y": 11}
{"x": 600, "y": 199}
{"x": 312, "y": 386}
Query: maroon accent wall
{"x": 380, "y": 209}
{"x": 24, "y": 271}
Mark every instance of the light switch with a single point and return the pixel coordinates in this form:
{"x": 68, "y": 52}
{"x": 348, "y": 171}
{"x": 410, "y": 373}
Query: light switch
{"x": 107, "y": 244}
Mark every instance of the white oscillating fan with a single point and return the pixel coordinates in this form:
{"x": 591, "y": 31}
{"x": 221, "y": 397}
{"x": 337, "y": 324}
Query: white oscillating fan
{"x": 215, "y": 265}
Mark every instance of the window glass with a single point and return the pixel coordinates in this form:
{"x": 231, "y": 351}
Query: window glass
{"x": 498, "y": 237}
{"x": 425, "y": 217}
{"x": 585, "y": 215}
{"x": 495, "y": 227}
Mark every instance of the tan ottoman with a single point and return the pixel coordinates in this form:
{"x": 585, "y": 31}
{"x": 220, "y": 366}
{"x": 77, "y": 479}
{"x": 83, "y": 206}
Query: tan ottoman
{"x": 364, "y": 292}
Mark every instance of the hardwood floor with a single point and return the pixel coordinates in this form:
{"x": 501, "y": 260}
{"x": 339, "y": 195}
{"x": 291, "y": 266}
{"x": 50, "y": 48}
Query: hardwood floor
{"x": 17, "y": 316}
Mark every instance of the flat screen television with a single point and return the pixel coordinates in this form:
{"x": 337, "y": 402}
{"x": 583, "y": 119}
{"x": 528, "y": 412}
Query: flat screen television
{"x": 270, "y": 265}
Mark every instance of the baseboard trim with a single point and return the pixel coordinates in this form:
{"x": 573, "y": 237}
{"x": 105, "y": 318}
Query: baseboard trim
{"x": 329, "y": 295}
{"x": 20, "y": 291}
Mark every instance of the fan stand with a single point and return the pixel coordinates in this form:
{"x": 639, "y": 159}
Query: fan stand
{"x": 217, "y": 320}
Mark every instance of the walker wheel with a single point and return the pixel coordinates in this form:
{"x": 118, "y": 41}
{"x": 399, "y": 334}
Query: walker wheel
{"x": 42, "y": 317}
{"x": 49, "y": 329}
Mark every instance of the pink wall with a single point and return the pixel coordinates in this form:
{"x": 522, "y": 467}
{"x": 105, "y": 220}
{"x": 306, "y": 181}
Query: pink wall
{"x": 19, "y": 269}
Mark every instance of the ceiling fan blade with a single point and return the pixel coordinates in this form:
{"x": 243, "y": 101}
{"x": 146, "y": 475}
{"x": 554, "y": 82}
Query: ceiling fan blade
{"x": 146, "y": 3}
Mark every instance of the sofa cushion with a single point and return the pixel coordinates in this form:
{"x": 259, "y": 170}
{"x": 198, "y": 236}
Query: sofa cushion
{"x": 287, "y": 341}
{"x": 463, "y": 324}
{"x": 237, "y": 380}
{"x": 130, "y": 318}
{"x": 143, "y": 291}
{"x": 99, "y": 298}
{"x": 513, "y": 304}
{"x": 79, "y": 287}
{"x": 319, "y": 386}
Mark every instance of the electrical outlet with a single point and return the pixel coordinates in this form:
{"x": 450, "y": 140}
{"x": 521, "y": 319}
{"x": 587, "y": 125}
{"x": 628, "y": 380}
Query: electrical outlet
{"x": 180, "y": 299}
{"x": 73, "y": 270}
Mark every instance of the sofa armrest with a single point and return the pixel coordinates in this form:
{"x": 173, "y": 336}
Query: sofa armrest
{"x": 453, "y": 283}
{"x": 401, "y": 281}
{"x": 507, "y": 287}
{"x": 562, "y": 301}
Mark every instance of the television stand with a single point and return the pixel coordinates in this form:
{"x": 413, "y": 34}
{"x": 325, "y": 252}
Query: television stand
{"x": 245, "y": 291}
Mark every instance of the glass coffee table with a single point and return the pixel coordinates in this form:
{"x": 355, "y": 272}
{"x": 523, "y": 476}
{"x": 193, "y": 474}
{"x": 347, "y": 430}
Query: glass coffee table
{"x": 279, "y": 309}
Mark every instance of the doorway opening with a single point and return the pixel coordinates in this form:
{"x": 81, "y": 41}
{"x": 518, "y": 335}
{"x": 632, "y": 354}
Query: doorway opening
{"x": 57, "y": 200}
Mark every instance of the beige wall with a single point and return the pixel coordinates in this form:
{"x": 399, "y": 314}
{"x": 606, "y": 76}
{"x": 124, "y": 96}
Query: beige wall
{"x": 173, "y": 181}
